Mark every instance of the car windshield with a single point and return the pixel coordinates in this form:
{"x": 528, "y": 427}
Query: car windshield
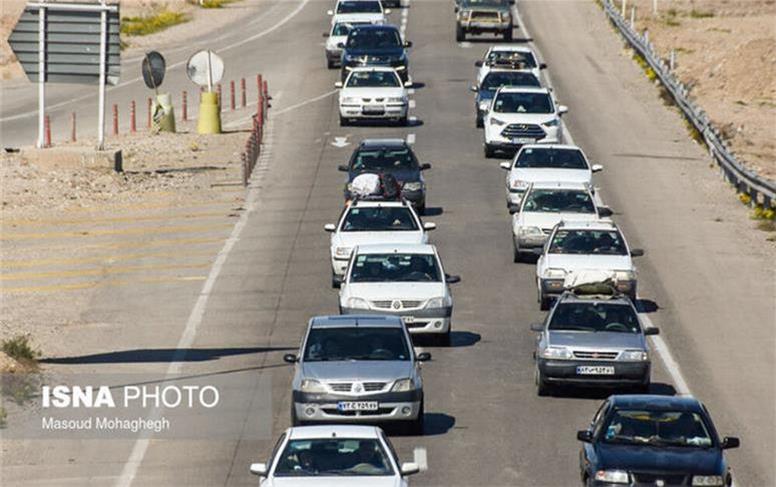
{"x": 385, "y": 159}
{"x": 359, "y": 7}
{"x": 373, "y": 79}
{"x": 485, "y": 3}
{"x": 379, "y": 219}
{"x": 511, "y": 102}
{"x": 604, "y": 242}
{"x": 344, "y": 28}
{"x": 495, "y": 80}
{"x": 661, "y": 428}
{"x": 558, "y": 201}
{"x": 594, "y": 317}
{"x": 332, "y": 457}
{"x": 395, "y": 268}
{"x": 373, "y": 39}
{"x": 523, "y": 60}
{"x": 362, "y": 343}
{"x": 551, "y": 158}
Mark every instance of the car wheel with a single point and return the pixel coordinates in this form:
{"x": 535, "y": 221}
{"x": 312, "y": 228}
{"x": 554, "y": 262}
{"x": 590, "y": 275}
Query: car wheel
{"x": 642, "y": 388}
{"x": 488, "y": 150}
{"x": 632, "y": 295}
{"x": 544, "y": 302}
{"x": 415, "y": 427}
{"x": 344, "y": 122}
{"x": 444, "y": 340}
{"x": 294, "y": 420}
{"x": 542, "y": 388}
{"x": 421, "y": 209}
{"x": 508, "y": 34}
{"x": 460, "y": 34}
{"x": 516, "y": 257}
{"x": 335, "y": 283}
{"x": 330, "y": 64}
{"x": 404, "y": 121}
{"x": 478, "y": 122}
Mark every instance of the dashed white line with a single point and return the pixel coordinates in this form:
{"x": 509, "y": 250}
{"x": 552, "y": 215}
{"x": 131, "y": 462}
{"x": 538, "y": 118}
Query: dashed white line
{"x": 412, "y": 104}
{"x": 410, "y": 139}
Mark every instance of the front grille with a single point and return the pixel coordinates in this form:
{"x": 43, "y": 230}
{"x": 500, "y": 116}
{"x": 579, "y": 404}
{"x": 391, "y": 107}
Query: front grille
{"x": 485, "y": 16}
{"x": 382, "y": 304}
{"x": 417, "y": 324}
{"x": 653, "y": 478}
{"x": 531, "y": 130}
{"x": 595, "y": 355}
{"x": 386, "y": 304}
{"x": 340, "y": 386}
{"x": 374, "y": 386}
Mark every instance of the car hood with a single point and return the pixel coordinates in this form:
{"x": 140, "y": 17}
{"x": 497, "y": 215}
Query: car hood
{"x": 396, "y": 290}
{"x": 357, "y": 370}
{"x": 535, "y": 175}
{"x": 338, "y": 481}
{"x": 386, "y": 51}
{"x": 597, "y": 340}
{"x": 573, "y": 262}
{"x": 660, "y": 459}
{"x": 372, "y": 92}
{"x": 401, "y": 175}
{"x": 486, "y": 8}
{"x": 534, "y": 118}
{"x": 549, "y": 220}
{"x": 351, "y": 239}
{"x": 362, "y": 17}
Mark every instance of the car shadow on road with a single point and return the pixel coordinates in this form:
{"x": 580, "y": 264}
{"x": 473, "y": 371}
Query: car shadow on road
{"x": 646, "y": 306}
{"x": 161, "y": 355}
{"x": 435, "y": 424}
{"x": 417, "y": 85}
{"x": 656, "y": 388}
{"x": 433, "y": 211}
{"x": 458, "y": 339}
{"x": 189, "y": 377}
{"x": 492, "y": 39}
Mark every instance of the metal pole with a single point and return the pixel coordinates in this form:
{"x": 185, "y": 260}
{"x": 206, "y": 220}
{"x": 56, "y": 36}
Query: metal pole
{"x": 103, "y": 68}
{"x": 623, "y": 8}
{"x": 633, "y": 17}
{"x": 654, "y": 8}
{"x": 672, "y": 60}
{"x": 209, "y": 74}
{"x": 41, "y": 76}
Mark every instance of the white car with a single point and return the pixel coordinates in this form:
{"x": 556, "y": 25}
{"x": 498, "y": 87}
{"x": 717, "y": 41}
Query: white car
{"x": 519, "y": 116}
{"x": 544, "y": 206}
{"x": 581, "y": 246}
{"x": 539, "y": 163}
{"x": 373, "y": 7}
{"x": 373, "y": 222}
{"x": 509, "y": 56}
{"x": 334, "y": 456}
{"x": 373, "y": 92}
{"x": 338, "y": 34}
{"x": 406, "y": 280}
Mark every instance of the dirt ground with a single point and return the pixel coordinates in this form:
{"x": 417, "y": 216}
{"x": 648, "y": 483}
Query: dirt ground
{"x": 726, "y": 51}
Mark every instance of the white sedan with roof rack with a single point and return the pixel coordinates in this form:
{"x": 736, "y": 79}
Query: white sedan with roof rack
{"x": 373, "y": 92}
{"x": 338, "y": 34}
{"x": 509, "y": 57}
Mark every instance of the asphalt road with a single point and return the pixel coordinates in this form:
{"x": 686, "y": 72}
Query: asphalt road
{"x": 705, "y": 283}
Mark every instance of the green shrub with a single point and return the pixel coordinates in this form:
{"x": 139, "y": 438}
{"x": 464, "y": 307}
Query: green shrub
{"x": 148, "y": 24}
{"x": 19, "y": 349}
{"x": 701, "y": 14}
{"x": 214, "y": 3}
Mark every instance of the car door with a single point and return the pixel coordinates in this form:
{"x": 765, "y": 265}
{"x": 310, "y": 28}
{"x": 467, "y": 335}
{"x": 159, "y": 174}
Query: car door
{"x": 588, "y": 458}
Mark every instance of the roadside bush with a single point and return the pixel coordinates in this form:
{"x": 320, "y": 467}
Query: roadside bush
{"x": 20, "y": 349}
{"x": 148, "y": 24}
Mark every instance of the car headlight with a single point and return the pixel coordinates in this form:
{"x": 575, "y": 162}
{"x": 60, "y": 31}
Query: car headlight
{"x": 612, "y": 476}
{"x": 625, "y": 275}
{"x": 552, "y": 123}
{"x": 495, "y": 121}
{"x": 413, "y": 186}
{"x": 312, "y": 386}
{"x": 348, "y": 58}
{"x": 441, "y": 302}
{"x": 556, "y": 353}
{"x": 397, "y": 99}
{"x": 707, "y": 480}
{"x": 504, "y": 16}
{"x": 530, "y": 232}
{"x": 484, "y": 105}
{"x": 343, "y": 251}
{"x": 519, "y": 185}
{"x": 357, "y": 303}
{"x": 555, "y": 274}
{"x": 402, "y": 385}
{"x": 634, "y": 356}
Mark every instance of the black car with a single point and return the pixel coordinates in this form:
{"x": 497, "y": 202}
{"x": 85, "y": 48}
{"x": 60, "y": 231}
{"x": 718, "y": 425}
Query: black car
{"x": 394, "y": 157}
{"x": 642, "y": 440}
{"x": 494, "y": 80}
{"x": 376, "y": 45}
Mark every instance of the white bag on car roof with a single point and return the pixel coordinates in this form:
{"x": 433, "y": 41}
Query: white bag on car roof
{"x": 365, "y": 185}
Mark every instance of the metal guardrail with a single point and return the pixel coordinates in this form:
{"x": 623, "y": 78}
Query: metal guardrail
{"x": 253, "y": 145}
{"x": 761, "y": 190}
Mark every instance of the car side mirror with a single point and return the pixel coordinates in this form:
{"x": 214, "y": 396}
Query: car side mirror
{"x": 538, "y": 250}
{"x": 597, "y": 168}
{"x": 511, "y": 2}
{"x": 605, "y": 212}
{"x": 408, "y": 84}
{"x": 387, "y": 11}
{"x": 514, "y": 209}
{"x": 585, "y": 436}
{"x": 259, "y": 469}
{"x": 290, "y": 358}
{"x": 652, "y": 330}
{"x": 330, "y": 227}
{"x": 452, "y": 279}
{"x": 342, "y": 167}
{"x": 407, "y": 43}
{"x": 423, "y": 357}
{"x": 543, "y": 66}
{"x": 730, "y": 442}
{"x": 425, "y": 166}
{"x": 637, "y": 252}
{"x": 338, "y": 84}
{"x": 341, "y": 45}
{"x": 325, "y": 34}
{"x": 428, "y": 226}
{"x": 330, "y": 12}
{"x": 409, "y": 468}
{"x": 473, "y": 88}
{"x": 562, "y": 109}
{"x": 537, "y": 327}
{"x": 478, "y": 63}
{"x": 506, "y": 165}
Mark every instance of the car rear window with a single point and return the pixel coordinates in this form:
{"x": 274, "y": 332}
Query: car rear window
{"x": 393, "y": 159}
{"x": 357, "y": 7}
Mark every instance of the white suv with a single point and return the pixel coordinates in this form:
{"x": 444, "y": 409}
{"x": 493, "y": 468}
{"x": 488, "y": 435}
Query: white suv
{"x": 544, "y": 206}
{"x": 373, "y": 222}
{"x": 370, "y": 7}
{"x": 406, "y": 280}
{"x": 545, "y": 163}
{"x": 519, "y": 116}
{"x": 581, "y": 246}
{"x": 373, "y": 93}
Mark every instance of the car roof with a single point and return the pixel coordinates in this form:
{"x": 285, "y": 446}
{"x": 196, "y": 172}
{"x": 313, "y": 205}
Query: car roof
{"x": 574, "y": 185}
{"x": 572, "y": 297}
{"x": 396, "y": 248}
{"x": 365, "y": 18}
{"x": 383, "y": 143}
{"x": 332, "y": 431}
{"x": 656, "y": 402}
{"x": 601, "y": 224}
{"x": 378, "y": 203}
{"x": 340, "y": 321}
{"x": 375, "y": 27}
{"x": 510, "y": 48}
{"x": 551, "y": 146}
{"x": 523, "y": 89}
{"x": 373, "y": 68}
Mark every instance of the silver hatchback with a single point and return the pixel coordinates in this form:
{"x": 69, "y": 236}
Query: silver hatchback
{"x": 357, "y": 369}
{"x": 592, "y": 340}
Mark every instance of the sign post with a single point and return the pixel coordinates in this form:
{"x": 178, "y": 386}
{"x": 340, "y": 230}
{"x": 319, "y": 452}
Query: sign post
{"x": 103, "y": 68}
{"x": 42, "y": 78}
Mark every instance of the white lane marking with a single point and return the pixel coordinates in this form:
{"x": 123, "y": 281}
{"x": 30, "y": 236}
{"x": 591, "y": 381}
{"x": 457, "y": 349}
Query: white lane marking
{"x": 412, "y": 103}
{"x": 421, "y": 458}
{"x": 269, "y": 30}
{"x": 413, "y": 119}
{"x": 410, "y": 139}
{"x": 465, "y": 44}
{"x": 411, "y": 91}
{"x": 241, "y": 120}
{"x": 340, "y": 142}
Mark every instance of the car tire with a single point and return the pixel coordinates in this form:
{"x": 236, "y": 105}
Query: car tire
{"x": 488, "y": 150}
{"x": 421, "y": 209}
{"x": 330, "y": 64}
{"x": 444, "y": 339}
{"x": 344, "y": 122}
{"x": 642, "y": 388}
{"x": 542, "y": 388}
{"x": 294, "y": 420}
{"x": 404, "y": 121}
{"x": 415, "y": 427}
{"x": 460, "y": 34}
{"x": 508, "y": 34}
{"x": 633, "y": 296}
{"x": 544, "y": 302}
{"x": 478, "y": 122}
{"x": 335, "y": 283}
{"x": 516, "y": 256}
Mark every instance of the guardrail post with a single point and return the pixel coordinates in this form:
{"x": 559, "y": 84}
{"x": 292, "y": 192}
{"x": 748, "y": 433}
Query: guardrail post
{"x": 633, "y": 17}
{"x": 231, "y": 95}
{"x": 185, "y": 106}
{"x": 259, "y": 83}
{"x": 218, "y": 91}
{"x": 150, "y": 109}
{"x": 115, "y": 119}
{"x": 72, "y": 127}
{"x": 623, "y": 8}
{"x": 672, "y": 60}
{"x": 47, "y": 130}
{"x": 243, "y": 100}
{"x": 132, "y": 123}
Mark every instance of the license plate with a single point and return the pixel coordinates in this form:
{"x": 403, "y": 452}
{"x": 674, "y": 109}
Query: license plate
{"x": 523, "y": 140}
{"x": 377, "y": 109}
{"x": 357, "y": 406}
{"x": 408, "y": 319}
{"x": 595, "y": 370}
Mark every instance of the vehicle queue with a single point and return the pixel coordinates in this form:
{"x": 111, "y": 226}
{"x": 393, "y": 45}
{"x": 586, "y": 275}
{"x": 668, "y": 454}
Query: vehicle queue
{"x": 360, "y": 369}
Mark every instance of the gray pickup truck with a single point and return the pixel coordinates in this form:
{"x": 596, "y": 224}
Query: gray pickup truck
{"x": 483, "y": 16}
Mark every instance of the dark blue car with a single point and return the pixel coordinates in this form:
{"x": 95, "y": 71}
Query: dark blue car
{"x": 494, "y": 80}
{"x": 376, "y": 45}
{"x": 639, "y": 440}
